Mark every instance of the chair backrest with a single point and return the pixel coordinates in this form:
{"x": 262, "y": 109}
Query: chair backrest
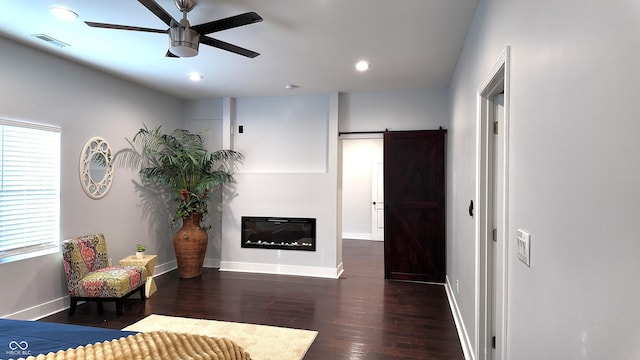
{"x": 82, "y": 255}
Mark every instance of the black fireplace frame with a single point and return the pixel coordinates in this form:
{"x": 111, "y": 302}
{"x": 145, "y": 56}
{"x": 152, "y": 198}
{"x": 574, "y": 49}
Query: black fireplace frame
{"x": 274, "y": 220}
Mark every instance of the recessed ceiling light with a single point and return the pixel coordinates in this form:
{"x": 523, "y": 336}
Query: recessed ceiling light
{"x": 63, "y": 13}
{"x": 362, "y": 65}
{"x": 291, "y": 86}
{"x": 194, "y": 76}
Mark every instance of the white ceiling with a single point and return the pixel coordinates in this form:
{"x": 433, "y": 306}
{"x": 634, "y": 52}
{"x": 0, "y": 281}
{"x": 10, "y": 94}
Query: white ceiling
{"x": 311, "y": 43}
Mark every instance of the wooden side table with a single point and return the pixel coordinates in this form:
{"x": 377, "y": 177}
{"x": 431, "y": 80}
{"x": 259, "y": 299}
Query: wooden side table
{"x": 149, "y": 262}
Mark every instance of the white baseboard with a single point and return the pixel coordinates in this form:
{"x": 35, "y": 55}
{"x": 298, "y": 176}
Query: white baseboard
{"x": 356, "y": 236}
{"x": 172, "y": 265}
{"x": 165, "y": 268}
{"x": 212, "y": 263}
{"x": 279, "y": 269}
{"x": 41, "y": 310}
{"x": 340, "y": 270}
{"x": 457, "y": 317}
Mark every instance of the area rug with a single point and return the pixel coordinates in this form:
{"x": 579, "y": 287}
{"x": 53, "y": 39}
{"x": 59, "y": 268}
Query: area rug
{"x": 260, "y": 341}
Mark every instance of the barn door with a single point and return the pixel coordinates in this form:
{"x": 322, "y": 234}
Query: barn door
{"x": 414, "y": 183}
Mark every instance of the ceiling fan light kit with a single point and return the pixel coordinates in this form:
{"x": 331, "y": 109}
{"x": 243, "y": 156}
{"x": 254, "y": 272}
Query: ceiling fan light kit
{"x": 185, "y": 39}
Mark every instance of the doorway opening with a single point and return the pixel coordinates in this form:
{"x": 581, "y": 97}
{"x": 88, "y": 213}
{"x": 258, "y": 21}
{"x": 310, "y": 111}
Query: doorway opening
{"x": 492, "y": 225}
{"x": 362, "y": 195}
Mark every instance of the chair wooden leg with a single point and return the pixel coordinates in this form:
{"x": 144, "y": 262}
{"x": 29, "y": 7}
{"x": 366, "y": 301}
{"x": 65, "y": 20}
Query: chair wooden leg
{"x": 72, "y": 307}
{"x": 143, "y": 295}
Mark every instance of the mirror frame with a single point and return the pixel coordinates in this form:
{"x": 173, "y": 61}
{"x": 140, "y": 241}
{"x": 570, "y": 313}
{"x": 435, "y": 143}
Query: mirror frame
{"x": 96, "y": 188}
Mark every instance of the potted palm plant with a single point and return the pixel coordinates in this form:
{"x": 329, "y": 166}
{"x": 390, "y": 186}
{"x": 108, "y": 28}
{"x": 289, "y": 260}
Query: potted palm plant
{"x": 179, "y": 163}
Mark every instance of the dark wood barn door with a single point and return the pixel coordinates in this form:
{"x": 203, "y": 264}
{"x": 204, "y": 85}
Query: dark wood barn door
{"x": 414, "y": 191}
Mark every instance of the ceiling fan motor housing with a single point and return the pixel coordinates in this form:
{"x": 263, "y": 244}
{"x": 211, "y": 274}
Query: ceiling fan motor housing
{"x": 183, "y": 41}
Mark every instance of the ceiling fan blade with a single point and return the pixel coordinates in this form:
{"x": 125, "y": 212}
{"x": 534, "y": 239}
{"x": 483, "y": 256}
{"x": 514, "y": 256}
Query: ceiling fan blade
{"x": 158, "y": 11}
{"x": 171, "y": 55}
{"x": 123, "y": 27}
{"x": 229, "y": 47}
{"x": 227, "y": 23}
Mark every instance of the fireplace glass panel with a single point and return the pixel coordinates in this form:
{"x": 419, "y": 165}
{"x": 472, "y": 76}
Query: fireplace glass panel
{"x": 279, "y": 233}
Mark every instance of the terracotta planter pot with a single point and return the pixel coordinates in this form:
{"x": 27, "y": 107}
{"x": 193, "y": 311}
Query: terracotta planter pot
{"x": 190, "y": 245}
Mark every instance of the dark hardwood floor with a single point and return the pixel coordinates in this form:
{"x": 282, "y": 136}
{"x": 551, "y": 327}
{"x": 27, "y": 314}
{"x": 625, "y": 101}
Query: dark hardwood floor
{"x": 360, "y": 316}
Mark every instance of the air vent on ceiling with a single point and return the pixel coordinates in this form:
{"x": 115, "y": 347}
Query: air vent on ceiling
{"x": 50, "y": 40}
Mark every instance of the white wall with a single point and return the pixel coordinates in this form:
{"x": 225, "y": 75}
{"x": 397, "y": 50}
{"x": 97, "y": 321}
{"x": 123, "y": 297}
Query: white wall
{"x": 206, "y": 117}
{"x": 293, "y": 166}
{"x": 283, "y": 134}
{"x": 394, "y": 110}
{"x": 573, "y": 178}
{"x": 291, "y": 170}
{"x": 38, "y": 87}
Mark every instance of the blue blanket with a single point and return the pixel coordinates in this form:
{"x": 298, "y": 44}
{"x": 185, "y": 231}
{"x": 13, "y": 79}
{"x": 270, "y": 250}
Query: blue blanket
{"x": 20, "y": 338}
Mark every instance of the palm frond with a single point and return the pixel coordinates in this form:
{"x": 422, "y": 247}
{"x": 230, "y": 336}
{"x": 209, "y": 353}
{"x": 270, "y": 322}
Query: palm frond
{"x": 180, "y": 162}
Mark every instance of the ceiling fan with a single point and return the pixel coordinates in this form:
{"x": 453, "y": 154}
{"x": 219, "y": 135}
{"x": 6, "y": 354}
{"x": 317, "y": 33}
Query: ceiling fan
{"x": 184, "y": 38}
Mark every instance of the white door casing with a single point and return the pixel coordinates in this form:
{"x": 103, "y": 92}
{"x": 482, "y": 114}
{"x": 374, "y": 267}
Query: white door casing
{"x": 496, "y": 211}
{"x": 361, "y": 155}
{"x": 492, "y": 195}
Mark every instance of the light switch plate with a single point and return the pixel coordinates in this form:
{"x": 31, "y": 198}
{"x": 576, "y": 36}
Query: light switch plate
{"x": 524, "y": 250}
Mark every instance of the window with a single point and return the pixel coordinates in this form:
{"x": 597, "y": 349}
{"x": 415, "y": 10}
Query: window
{"x": 29, "y": 190}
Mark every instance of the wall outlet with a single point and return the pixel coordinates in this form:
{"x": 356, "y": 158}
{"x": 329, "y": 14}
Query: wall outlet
{"x": 457, "y": 287}
{"x": 110, "y": 262}
{"x": 524, "y": 246}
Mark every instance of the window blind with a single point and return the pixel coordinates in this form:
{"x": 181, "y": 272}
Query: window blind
{"x": 29, "y": 190}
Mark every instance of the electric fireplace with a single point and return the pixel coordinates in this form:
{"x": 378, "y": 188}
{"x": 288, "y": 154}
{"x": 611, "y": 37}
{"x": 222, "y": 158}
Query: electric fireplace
{"x": 282, "y": 233}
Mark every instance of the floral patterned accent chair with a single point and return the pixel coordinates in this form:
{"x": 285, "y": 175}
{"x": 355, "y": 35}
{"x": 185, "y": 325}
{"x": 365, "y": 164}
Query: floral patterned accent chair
{"x": 90, "y": 278}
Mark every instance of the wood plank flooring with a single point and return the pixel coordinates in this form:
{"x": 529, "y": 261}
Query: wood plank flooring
{"x": 360, "y": 316}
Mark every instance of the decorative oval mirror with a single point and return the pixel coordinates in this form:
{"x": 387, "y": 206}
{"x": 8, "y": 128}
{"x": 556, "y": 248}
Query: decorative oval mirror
{"x": 96, "y": 168}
